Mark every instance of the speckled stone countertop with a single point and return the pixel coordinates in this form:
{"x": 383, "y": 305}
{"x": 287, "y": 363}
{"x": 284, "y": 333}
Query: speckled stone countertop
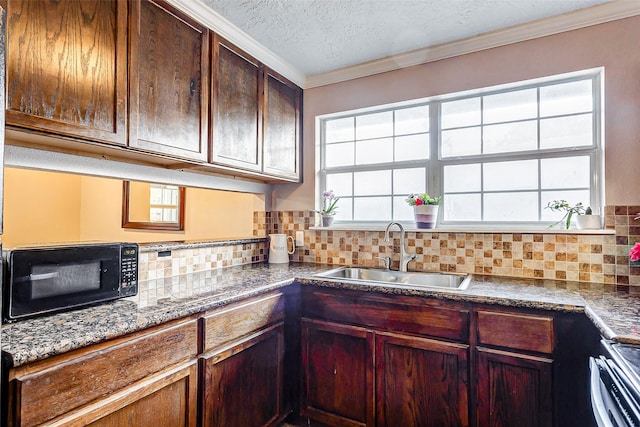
{"x": 616, "y": 315}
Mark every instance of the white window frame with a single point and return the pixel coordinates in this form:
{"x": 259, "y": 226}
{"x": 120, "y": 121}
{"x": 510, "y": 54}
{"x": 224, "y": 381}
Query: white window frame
{"x": 434, "y": 166}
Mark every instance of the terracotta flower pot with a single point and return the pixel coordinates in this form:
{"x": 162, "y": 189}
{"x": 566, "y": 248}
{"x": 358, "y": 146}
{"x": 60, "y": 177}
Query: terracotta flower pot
{"x": 426, "y": 215}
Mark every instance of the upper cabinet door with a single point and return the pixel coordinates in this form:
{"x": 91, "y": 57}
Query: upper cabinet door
{"x": 282, "y": 127}
{"x": 168, "y": 83}
{"x": 237, "y": 116}
{"x": 66, "y": 67}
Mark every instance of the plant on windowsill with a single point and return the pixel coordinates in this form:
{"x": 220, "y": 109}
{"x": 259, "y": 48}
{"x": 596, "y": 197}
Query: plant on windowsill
{"x": 634, "y": 252}
{"x": 425, "y": 209}
{"x": 563, "y": 205}
{"x": 589, "y": 221}
{"x": 329, "y": 208}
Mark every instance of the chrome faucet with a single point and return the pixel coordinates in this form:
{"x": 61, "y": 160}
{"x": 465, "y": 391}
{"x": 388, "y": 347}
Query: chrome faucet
{"x": 405, "y": 257}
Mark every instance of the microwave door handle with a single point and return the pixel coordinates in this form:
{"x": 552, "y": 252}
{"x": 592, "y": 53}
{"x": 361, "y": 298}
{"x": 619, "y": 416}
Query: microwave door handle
{"x": 43, "y": 276}
{"x": 597, "y": 402}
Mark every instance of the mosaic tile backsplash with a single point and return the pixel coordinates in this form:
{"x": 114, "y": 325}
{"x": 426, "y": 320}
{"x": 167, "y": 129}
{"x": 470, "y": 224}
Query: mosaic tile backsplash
{"x": 596, "y": 258}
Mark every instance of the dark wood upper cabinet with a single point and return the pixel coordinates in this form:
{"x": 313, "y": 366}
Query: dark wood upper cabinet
{"x": 236, "y": 104}
{"x": 282, "y": 127}
{"x": 169, "y": 69}
{"x": 66, "y": 67}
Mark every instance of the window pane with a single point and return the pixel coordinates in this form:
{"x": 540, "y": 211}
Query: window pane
{"x": 519, "y": 175}
{"x": 412, "y": 147}
{"x": 572, "y": 197}
{"x": 565, "y": 172}
{"x": 462, "y": 178}
{"x": 505, "y": 107}
{"x": 401, "y": 210}
{"x": 511, "y": 206}
{"x": 374, "y": 151}
{"x": 412, "y": 120}
{"x": 339, "y": 155}
{"x": 461, "y": 142}
{"x": 372, "y": 183}
{"x": 340, "y": 183}
{"x": 374, "y": 125}
{"x": 155, "y": 195}
{"x": 155, "y": 214}
{"x": 407, "y": 181}
{"x": 510, "y": 137}
{"x": 464, "y": 112}
{"x": 345, "y": 205}
{"x": 338, "y": 130}
{"x": 571, "y": 131}
{"x": 566, "y": 98}
{"x": 372, "y": 209}
{"x": 462, "y": 207}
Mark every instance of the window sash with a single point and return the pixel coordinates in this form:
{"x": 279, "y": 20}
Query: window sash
{"x": 435, "y": 164}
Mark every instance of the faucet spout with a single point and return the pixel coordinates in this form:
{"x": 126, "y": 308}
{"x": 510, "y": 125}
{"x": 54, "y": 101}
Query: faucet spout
{"x": 405, "y": 257}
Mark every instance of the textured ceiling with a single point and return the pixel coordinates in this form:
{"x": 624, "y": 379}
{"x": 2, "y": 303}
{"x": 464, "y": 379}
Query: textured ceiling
{"x": 316, "y": 36}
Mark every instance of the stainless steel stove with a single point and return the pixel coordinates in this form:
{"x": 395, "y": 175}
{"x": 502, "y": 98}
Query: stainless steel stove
{"x": 615, "y": 385}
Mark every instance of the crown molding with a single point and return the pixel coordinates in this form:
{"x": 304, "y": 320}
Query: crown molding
{"x": 606, "y": 12}
{"x": 220, "y": 25}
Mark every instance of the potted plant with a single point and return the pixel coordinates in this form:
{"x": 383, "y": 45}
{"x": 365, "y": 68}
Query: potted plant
{"x": 563, "y": 205}
{"x": 329, "y": 208}
{"x": 589, "y": 221}
{"x": 425, "y": 209}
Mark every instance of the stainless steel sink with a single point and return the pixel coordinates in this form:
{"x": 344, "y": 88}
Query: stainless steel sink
{"x": 412, "y": 280}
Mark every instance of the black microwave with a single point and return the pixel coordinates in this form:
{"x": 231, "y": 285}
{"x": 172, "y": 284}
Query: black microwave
{"x": 41, "y": 280}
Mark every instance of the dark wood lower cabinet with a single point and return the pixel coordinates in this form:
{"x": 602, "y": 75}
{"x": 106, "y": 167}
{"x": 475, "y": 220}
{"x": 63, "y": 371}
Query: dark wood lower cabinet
{"x": 166, "y": 400}
{"x": 421, "y": 382}
{"x": 338, "y": 373}
{"x": 514, "y": 389}
{"x": 242, "y": 383}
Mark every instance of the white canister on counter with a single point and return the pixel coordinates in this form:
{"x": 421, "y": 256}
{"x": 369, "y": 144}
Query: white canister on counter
{"x": 278, "y": 250}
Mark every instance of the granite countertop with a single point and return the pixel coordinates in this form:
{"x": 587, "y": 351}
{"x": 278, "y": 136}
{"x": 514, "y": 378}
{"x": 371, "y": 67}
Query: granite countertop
{"x": 616, "y": 315}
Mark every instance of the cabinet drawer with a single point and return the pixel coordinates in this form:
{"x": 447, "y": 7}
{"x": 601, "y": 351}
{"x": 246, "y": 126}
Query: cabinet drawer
{"x": 516, "y": 331}
{"x": 44, "y": 390}
{"x": 228, "y": 324}
{"x": 400, "y": 313}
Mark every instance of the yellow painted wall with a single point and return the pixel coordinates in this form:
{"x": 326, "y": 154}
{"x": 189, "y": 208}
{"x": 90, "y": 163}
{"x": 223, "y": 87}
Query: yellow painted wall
{"x": 40, "y": 207}
{"x": 57, "y": 207}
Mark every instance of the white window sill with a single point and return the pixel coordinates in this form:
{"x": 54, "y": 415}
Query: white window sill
{"x": 461, "y": 229}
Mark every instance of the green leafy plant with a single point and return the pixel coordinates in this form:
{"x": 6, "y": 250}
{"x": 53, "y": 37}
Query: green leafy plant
{"x": 563, "y": 205}
{"x": 423, "y": 199}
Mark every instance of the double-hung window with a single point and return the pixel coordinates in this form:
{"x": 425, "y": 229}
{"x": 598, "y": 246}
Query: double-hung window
{"x": 497, "y": 155}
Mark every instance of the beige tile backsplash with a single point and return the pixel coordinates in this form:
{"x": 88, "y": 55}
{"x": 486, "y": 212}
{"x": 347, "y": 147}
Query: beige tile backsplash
{"x": 598, "y": 258}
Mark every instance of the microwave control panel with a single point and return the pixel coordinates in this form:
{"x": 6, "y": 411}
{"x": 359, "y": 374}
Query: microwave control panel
{"x": 129, "y": 269}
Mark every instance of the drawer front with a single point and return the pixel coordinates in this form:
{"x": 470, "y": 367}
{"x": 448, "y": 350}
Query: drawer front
{"x": 400, "y": 313}
{"x": 516, "y": 331}
{"x": 44, "y": 391}
{"x": 226, "y": 325}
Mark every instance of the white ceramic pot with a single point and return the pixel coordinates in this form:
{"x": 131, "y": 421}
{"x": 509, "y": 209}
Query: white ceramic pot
{"x": 589, "y": 222}
{"x": 327, "y": 220}
{"x": 426, "y": 216}
{"x": 278, "y": 250}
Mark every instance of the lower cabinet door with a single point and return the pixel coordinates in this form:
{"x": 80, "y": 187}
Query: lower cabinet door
{"x": 421, "y": 382}
{"x": 165, "y": 399}
{"x": 243, "y": 383}
{"x": 514, "y": 389}
{"x": 337, "y": 385}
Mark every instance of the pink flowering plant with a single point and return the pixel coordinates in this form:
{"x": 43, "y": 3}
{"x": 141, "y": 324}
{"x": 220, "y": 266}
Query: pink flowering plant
{"x": 634, "y": 252}
{"x": 423, "y": 199}
{"x": 329, "y": 201}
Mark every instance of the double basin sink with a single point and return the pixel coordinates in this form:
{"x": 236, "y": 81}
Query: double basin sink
{"x": 399, "y": 279}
